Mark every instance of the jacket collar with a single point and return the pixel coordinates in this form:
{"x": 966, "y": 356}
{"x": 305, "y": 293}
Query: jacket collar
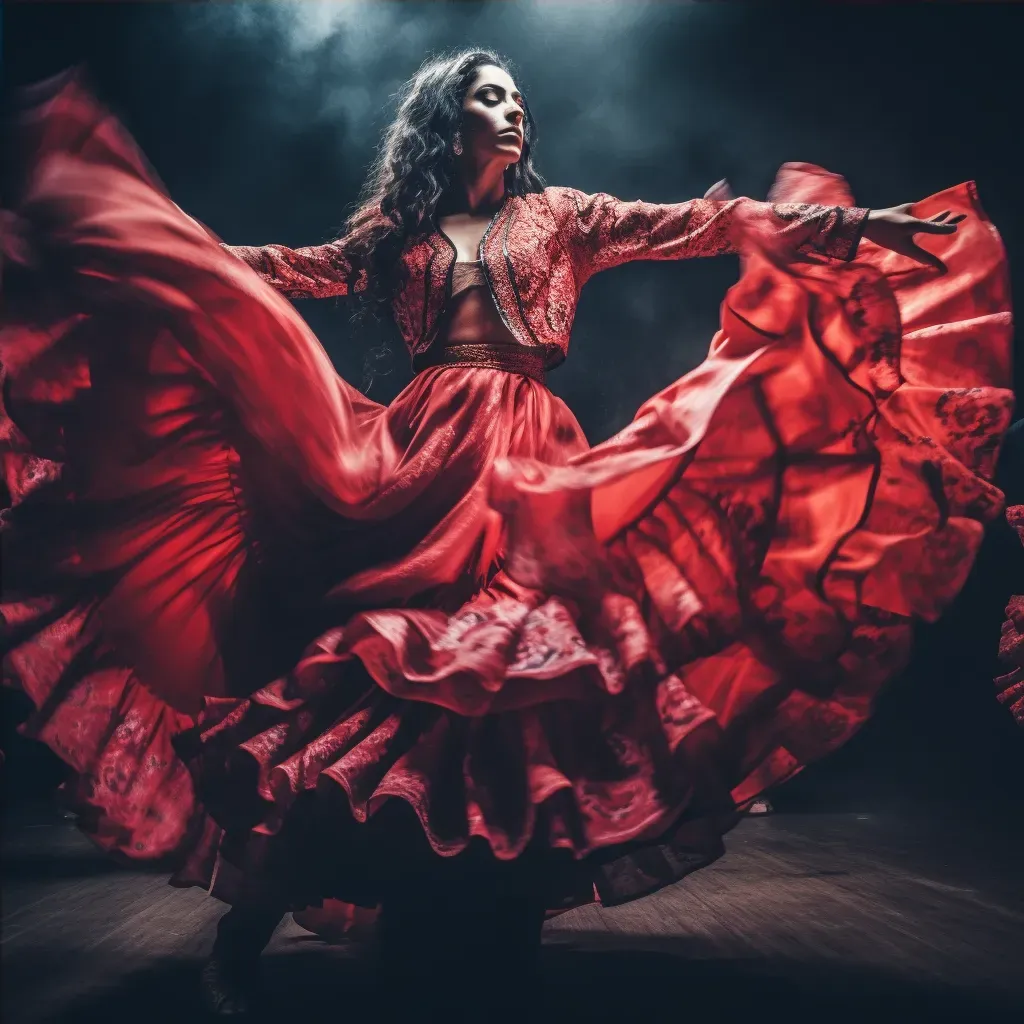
{"x": 438, "y": 234}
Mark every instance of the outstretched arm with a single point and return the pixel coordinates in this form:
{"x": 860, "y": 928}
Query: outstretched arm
{"x": 602, "y": 231}
{"x": 313, "y": 272}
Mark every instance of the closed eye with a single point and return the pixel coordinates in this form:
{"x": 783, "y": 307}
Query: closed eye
{"x": 494, "y": 94}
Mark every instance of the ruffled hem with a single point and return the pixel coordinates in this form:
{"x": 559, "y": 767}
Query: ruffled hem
{"x": 687, "y": 613}
{"x": 784, "y": 513}
{"x": 575, "y": 776}
{"x": 131, "y": 793}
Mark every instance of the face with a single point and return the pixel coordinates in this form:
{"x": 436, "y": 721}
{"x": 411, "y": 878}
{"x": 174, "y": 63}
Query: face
{"x": 492, "y": 118}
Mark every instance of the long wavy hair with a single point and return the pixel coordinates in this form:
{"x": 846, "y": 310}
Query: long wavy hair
{"x": 415, "y": 167}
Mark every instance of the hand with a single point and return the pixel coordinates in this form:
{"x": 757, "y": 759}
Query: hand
{"x": 895, "y": 229}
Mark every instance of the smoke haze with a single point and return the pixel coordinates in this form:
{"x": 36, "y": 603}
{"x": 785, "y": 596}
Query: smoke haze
{"x": 263, "y": 117}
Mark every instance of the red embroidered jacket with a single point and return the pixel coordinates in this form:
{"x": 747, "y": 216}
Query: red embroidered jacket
{"x": 540, "y": 250}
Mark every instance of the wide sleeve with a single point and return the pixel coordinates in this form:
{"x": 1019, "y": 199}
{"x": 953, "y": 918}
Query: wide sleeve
{"x": 601, "y": 232}
{"x": 313, "y": 272}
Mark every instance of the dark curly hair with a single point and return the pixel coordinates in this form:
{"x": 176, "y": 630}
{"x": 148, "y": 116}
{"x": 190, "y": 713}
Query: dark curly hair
{"x": 415, "y": 166}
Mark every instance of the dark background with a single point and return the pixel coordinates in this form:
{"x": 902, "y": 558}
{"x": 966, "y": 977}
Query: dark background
{"x": 261, "y": 119}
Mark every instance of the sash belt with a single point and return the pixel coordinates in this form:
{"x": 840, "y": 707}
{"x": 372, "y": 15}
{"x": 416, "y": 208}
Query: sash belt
{"x": 529, "y": 361}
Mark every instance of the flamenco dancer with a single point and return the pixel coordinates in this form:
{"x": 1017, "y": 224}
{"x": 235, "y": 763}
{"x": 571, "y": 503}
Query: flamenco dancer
{"x": 443, "y": 656}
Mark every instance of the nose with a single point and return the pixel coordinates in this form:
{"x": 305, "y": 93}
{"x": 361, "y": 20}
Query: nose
{"x": 514, "y": 115}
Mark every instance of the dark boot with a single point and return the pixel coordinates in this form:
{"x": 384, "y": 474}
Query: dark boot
{"x": 230, "y": 979}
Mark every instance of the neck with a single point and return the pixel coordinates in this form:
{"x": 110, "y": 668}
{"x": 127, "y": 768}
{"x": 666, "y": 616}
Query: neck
{"x": 479, "y": 189}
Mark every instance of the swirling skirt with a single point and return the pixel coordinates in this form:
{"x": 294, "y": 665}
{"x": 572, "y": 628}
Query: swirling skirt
{"x": 274, "y": 626}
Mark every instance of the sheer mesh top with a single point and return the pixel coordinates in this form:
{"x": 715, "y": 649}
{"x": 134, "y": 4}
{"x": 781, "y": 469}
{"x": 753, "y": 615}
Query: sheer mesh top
{"x": 466, "y": 276}
{"x": 472, "y": 316}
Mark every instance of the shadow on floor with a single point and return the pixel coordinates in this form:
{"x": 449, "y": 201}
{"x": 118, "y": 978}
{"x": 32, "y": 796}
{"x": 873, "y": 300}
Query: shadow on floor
{"x": 666, "y": 980}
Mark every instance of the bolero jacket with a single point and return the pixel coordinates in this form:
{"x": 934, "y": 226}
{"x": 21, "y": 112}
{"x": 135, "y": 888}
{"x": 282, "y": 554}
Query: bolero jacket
{"x": 540, "y": 249}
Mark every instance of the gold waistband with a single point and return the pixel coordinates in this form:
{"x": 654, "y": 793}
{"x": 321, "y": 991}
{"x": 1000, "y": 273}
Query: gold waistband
{"x": 529, "y": 361}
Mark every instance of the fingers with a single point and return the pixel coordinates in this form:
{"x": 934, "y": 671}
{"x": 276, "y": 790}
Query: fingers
{"x": 940, "y": 217}
{"x": 941, "y": 224}
{"x": 915, "y": 252}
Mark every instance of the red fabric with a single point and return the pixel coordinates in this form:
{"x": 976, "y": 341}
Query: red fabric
{"x": 336, "y": 921}
{"x": 522, "y": 638}
{"x": 540, "y": 250}
{"x": 1010, "y": 685}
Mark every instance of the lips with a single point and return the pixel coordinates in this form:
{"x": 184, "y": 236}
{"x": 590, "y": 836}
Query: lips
{"x": 510, "y": 133}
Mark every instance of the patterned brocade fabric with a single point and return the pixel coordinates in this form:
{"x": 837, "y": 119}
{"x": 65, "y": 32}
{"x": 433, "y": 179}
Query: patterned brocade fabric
{"x": 1010, "y": 685}
{"x": 313, "y": 272}
{"x": 605, "y": 232}
{"x": 540, "y": 250}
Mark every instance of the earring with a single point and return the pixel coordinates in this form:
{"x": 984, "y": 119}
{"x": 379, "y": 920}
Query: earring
{"x": 457, "y": 144}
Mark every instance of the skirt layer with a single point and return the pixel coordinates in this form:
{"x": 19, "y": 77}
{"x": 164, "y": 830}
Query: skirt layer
{"x": 376, "y": 635}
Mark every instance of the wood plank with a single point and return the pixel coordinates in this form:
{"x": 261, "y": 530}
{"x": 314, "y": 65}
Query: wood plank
{"x": 853, "y": 915}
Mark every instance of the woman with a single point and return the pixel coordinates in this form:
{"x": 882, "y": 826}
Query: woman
{"x": 443, "y": 656}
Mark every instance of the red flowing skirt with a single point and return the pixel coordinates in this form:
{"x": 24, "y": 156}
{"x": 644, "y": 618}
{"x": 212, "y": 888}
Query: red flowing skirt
{"x": 448, "y": 620}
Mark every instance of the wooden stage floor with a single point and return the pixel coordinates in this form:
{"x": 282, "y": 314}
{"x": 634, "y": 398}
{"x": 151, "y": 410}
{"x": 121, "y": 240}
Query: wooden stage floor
{"x": 824, "y": 917}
